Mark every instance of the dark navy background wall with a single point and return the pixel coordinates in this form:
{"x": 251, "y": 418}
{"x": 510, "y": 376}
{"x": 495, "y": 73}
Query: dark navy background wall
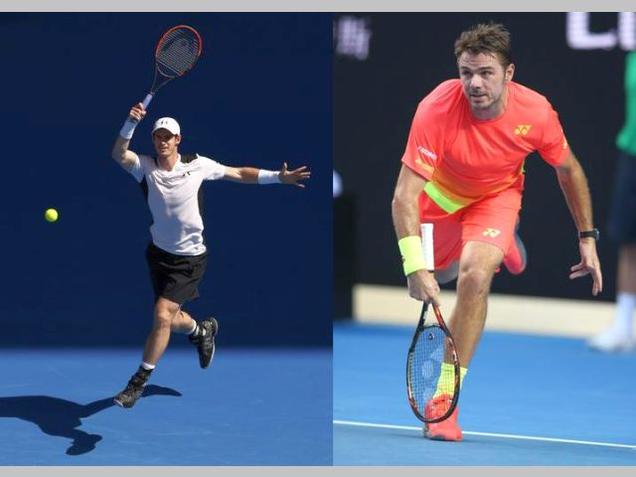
{"x": 259, "y": 96}
{"x": 409, "y": 55}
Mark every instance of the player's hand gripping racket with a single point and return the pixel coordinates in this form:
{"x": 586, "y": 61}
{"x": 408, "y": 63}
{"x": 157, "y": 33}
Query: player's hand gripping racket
{"x": 432, "y": 345}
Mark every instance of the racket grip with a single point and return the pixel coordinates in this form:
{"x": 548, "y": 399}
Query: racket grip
{"x": 427, "y": 246}
{"x": 147, "y": 100}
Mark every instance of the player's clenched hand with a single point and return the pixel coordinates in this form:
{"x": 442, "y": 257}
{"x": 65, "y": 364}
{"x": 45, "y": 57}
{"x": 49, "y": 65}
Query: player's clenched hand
{"x": 589, "y": 265}
{"x": 137, "y": 112}
{"x": 294, "y": 177}
{"x": 423, "y": 287}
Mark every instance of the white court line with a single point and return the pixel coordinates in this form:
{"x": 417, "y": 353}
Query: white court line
{"x": 490, "y": 434}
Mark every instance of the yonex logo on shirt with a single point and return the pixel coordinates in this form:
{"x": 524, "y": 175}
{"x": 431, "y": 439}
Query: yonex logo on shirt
{"x": 427, "y": 153}
{"x": 492, "y": 233}
{"x": 522, "y": 129}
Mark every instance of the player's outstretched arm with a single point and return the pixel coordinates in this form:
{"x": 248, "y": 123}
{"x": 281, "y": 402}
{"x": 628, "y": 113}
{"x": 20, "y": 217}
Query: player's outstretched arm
{"x": 406, "y": 220}
{"x": 577, "y": 195}
{"x": 251, "y": 175}
{"x": 124, "y": 156}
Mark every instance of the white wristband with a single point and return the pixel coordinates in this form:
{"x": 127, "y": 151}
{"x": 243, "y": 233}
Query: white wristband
{"x": 128, "y": 129}
{"x": 268, "y": 177}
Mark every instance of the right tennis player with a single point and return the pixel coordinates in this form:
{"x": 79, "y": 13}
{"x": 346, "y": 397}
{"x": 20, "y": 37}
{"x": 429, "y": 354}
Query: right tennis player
{"x": 177, "y": 254}
{"x": 462, "y": 170}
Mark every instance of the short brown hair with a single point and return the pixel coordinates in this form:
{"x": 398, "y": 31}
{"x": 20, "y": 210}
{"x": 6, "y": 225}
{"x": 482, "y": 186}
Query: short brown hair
{"x": 490, "y": 38}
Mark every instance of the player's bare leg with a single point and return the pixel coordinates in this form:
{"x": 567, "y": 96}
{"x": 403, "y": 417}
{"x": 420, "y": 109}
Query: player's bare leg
{"x": 165, "y": 311}
{"x": 157, "y": 342}
{"x": 201, "y": 334}
{"x": 477, "y": 265}
{"x": 183, "y": 323}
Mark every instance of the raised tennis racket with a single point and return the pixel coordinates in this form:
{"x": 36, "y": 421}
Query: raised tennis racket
{"x": 177, "y": 52}
{"x": 431, "y": 346}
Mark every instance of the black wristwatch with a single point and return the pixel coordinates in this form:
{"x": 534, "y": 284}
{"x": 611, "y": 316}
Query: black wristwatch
{"x": 594, "y": 233}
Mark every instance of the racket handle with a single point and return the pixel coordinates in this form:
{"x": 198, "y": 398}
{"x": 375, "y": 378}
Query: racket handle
{"x": 426, "y": 231}
{"x": 147, "y": 100}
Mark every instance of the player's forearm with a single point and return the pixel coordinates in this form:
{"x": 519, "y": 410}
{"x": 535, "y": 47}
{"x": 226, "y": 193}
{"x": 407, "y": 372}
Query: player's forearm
{"x": 405, "y": 212}
{"x": 406, "y": 221}
{"x": 577, "y": 195}
{"x": 252, "y": 175}
{"x": 244, "y": 175}
{"x": 120, "y": 152}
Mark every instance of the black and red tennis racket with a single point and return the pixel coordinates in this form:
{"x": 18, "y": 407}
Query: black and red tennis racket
{"x": 431, "y": 346}
{"x": 177, "y": 52}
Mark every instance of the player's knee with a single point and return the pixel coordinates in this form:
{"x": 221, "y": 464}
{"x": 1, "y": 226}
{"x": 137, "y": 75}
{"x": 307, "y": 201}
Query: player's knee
{"x": 164, "y": 315}
{"x": 475, "y": 280}
{"x": 163, "y": 319}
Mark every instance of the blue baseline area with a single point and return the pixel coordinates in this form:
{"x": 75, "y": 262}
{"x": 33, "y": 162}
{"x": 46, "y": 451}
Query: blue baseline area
{"x": 251, "y": 407}
{"x": 517, "y": 384}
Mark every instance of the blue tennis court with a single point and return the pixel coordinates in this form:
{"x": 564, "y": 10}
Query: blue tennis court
{"x": 527, "y": 400}
{"x": 251, "y": 407}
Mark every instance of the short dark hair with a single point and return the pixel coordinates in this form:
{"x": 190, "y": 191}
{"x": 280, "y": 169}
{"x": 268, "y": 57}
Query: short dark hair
{"x": 490, "y": 38}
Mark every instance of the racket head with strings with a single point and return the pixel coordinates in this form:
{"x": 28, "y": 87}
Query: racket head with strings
{"x": 432, "y": 345}
{"x": 177, "y": 51}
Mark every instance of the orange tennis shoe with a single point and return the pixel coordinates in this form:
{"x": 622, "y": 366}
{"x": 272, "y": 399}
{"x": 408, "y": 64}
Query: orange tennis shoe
{"x": 446, "y": 430}
{"x": 517, "y": 258}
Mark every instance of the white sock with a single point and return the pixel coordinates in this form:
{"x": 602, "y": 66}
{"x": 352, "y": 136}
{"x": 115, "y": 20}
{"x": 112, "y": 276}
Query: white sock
{"x": 625, "y": 304}
{"x": 194, "y": 328}
{"x": 147, "y": 366}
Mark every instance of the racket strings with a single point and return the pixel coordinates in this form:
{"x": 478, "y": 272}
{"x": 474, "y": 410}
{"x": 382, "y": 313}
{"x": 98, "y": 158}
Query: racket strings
{"x": 429, "y": 376}
{"x": 178, "y": 52}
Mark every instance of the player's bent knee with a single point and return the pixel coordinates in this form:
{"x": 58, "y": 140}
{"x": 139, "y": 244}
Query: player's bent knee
{"x": 163, "y": 319}
{"x": 475, "y": 280}
{"x": 165, "y": 314}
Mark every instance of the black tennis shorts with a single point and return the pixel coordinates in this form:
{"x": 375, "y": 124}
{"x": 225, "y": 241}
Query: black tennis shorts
{"x": 175, "y": 277}
{"x": 622, "y": 220}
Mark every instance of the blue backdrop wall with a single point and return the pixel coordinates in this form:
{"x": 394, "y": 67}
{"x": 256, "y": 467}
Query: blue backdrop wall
{"x": 260, "y": 95}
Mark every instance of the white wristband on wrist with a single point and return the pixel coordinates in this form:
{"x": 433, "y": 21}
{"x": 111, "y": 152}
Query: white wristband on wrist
{"x": 268, "y": 177}
{"x": 128, "y": 129}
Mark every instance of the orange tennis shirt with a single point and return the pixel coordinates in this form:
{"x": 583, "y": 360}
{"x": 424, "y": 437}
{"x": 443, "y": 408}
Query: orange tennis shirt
{"x": 465, "y": 159}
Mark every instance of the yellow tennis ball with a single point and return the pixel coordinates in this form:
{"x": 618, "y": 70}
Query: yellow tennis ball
{"x": 51, "y": 215}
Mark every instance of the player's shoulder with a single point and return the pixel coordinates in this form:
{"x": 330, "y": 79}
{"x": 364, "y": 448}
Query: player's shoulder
{"x": 190, "y": 158}
{"x": 195, "y": 158}
{"x": 199, "y": 162}
{"x": 443, "y": 98}
{"x": 529, "y": 98}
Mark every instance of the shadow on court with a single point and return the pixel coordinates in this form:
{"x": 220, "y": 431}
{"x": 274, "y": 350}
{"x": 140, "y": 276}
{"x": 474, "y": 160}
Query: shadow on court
{"x": 59, "y": 417}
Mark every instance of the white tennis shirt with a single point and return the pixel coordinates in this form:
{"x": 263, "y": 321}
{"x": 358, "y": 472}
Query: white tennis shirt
{"x": 175, "y": 200}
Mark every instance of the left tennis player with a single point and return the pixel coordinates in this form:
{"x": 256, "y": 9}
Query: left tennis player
{"x": 177, "y": 254}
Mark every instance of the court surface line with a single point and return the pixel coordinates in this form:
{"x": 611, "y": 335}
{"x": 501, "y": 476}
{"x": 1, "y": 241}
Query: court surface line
{"x": 489, "y": 434}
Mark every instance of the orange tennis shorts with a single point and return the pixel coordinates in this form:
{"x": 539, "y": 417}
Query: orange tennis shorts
{"x": 491, "y": 220}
